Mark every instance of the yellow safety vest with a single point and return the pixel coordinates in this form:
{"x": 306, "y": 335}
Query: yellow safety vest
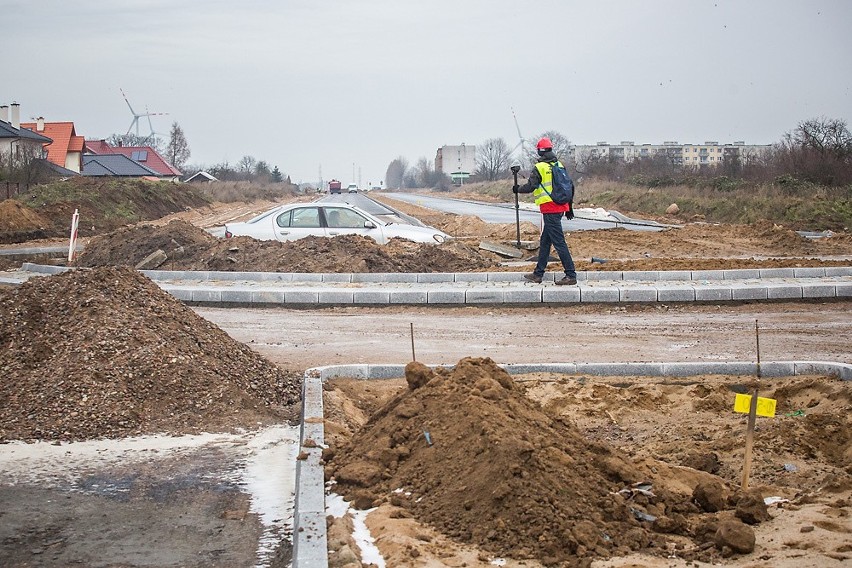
{"x": 546, "y": 173}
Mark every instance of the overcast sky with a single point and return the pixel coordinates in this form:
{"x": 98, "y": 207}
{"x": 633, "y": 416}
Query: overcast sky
{"x": 349, "y": 85}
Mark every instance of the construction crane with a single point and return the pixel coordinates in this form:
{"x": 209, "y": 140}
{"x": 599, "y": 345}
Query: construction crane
{"x": 136, "y": 116}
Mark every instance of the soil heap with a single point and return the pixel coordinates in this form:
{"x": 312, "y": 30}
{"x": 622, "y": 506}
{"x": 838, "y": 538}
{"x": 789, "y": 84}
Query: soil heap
{"x": 19, "y": 223}
{"x": 191, "y": 248}
{"x": 467, "y": 452}
{"x": 106, "y": 353}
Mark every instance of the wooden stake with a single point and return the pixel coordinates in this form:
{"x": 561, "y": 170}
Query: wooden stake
{"x": 413, "y": 358}
{"x": 752, "y": 416}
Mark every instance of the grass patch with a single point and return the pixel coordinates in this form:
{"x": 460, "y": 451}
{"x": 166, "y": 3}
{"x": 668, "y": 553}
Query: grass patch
{"x": 790, "y": 202}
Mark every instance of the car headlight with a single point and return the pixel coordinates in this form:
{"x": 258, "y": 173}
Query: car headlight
{"x": 438, "y": 238}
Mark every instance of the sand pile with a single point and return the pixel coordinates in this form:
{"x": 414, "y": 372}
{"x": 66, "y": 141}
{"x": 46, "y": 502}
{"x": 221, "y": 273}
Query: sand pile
{"x": 106, "y": 353}
{"x": 467, "y": 452}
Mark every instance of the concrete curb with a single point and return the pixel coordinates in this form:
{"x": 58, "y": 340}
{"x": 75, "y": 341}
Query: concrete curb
{"x": 310, "y": 543}
{"x": 365, "y": 289}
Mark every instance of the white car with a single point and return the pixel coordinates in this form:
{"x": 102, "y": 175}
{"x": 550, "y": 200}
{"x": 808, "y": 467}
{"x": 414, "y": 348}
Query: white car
{"x": 352, "y": 188}
{"x": 299, "y": 220}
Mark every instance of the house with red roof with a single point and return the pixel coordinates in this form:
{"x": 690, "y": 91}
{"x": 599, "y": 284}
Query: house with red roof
{"x": 66, "y": 150}
{"x": 17, "y": 143}
{"x": 143, "y": 155}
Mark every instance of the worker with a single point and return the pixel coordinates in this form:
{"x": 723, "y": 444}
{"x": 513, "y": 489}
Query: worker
{"x": 540, "y": 179}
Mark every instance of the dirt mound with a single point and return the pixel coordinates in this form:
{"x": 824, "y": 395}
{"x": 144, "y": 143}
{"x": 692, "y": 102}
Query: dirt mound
{"x": 130, "y": 245}
{"x": 468, "y": 453}
{"x": 107, "y": 204}
{"x": 191, "y": 248}
{"x": 20, "y": 223}
{"x": 106, "y": 353}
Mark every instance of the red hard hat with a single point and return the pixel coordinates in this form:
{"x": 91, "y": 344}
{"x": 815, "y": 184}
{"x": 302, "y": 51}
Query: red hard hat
{"x": 544, "y": 144}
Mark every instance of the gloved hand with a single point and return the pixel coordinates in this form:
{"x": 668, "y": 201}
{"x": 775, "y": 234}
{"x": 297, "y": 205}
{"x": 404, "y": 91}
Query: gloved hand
{"x": 570, "y": 213}
{"x": 515, "y": 188}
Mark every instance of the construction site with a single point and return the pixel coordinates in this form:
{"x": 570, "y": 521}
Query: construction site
{"x": 336, "y": 402}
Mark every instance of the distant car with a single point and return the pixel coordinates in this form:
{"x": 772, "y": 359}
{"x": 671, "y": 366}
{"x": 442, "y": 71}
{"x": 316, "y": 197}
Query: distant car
{"x": 353, "y": 188}
{"x": 299, "y": 220}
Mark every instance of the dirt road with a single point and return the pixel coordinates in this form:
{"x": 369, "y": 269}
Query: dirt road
{"x": 305, "y": 338}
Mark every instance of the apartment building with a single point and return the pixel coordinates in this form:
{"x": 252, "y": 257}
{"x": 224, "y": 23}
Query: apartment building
{"x": 458, "y": 162}
{"x": 710, "y": 153}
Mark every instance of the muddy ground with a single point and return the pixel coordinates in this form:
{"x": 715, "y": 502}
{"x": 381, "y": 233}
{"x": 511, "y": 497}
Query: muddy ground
{"x": 126, "y": 349}
{"x": 542, "y": 469}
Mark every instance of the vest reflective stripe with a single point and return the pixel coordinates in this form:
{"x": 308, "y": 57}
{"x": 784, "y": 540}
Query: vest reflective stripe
{"x": 546, "y": 173}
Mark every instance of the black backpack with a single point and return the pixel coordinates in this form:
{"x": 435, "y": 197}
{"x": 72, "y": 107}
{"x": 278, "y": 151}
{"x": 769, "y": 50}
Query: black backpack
{"x": 563, "y": 187}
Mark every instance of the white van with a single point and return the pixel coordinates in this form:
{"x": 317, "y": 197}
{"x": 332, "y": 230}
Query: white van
{"x": 353, "y": 188}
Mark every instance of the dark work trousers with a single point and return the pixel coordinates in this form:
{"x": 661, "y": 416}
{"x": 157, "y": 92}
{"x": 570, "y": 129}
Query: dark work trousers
{"x": 552, "y": 235}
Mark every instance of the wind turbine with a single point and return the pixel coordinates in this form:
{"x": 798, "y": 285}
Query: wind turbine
{"x": 522, "y": 143}
{"x": 137, "y": 116}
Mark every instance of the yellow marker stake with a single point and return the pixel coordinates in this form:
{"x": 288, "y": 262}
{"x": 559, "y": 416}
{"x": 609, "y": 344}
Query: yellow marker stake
{"x": 752, "y": 415}
{"x": 765, "y": 406}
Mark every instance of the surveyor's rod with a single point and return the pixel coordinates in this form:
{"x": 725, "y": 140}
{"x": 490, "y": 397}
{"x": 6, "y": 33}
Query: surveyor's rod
{"x": 413, "y": 358}
{"x": 515, "y": 170}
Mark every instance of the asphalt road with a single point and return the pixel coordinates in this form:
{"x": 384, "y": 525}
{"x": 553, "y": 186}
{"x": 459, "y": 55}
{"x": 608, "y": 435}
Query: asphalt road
{"x": 505, "y": 213}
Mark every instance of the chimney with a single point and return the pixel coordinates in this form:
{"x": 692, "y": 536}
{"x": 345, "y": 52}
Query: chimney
{"x": 16, "y": 115}
{"x": 4, "y": 113}
{"x": 40, "y": 124}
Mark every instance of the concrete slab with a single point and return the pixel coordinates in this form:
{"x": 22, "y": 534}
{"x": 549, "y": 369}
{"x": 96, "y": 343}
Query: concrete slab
{"x": 712, "y": 293}
{"x": 809, "y": 272}
{"x": 843, "y": 289}
{"x": 368, "y": 277}
{"x": 637, "y": 294}
{"x": 301, "y": 296}
{"x": 608, "y": 275}
{"x": 675, "y": 293}
{"x": 783, "y": 291}
{"x": 819, "y": 290}
{"x": 235, "y": 296}
{"x": 408, "y": 296}
{"x": 206, "y": 295}
{"x": 334, "y": 277}
{"x": 371, "y": 296}
{"x": 708, "y": 274}
{"x": 336, "y": 296}
{"x": 641, "y": 275}
{"x": 748, "y": 292}
{"x": 560, "y": 294}
{"x": 838, "y": 270}
{"x": 446, "y": 296}
{"x": 471, "y": 277}
{"x": 267, "y": 297}
{"x": 776, "y": 273}
{"x": 741, "y": 274}
{"x": 675, "y": 275}
{"x": 589, "y": 295}
{"x": 434, "y": 277}
{"x": 531, "y": 295}
{"x": 484, "y": 296}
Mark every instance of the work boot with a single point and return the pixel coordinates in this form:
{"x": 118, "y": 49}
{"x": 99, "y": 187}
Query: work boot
{"x": 532, "y": 277}
{"x": 567, "y": 281}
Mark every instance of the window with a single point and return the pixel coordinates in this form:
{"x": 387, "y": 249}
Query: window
{"x": 339, "y": 218}
{"x": 302, "y": 217}
{"x": 139, "y": 155}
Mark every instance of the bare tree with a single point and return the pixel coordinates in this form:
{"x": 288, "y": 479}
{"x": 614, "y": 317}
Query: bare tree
{"x": 136, "y": 140}
{"x": 246, "y": 165}
{"x": 492, "y": 159}
{"x": 819, "y": 150}
{"x": 177, "y": 150}
{"x": 395, "y": 173}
